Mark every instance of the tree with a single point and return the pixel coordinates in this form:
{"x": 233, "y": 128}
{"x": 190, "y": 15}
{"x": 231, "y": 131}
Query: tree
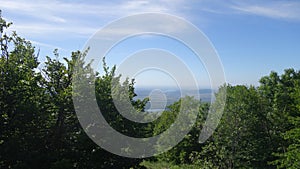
{"x": 38, "y": 124}
{"x": 241, "y": 138}
{"x": 286, "y": 107}
{"x": 39, "y": 127}
{"x": 20, "y": 115}
{"x": 180, "y": 154}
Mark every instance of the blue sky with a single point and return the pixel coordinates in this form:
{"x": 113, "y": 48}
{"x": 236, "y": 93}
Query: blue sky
{"x": 252, "y": 38}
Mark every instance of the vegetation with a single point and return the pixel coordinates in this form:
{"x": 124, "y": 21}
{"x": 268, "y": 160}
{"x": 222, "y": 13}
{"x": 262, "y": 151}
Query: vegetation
{"x": 260, "y": 127}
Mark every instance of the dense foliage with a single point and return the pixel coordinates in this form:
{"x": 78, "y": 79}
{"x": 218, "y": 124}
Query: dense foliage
{"x": 260, "y": 127}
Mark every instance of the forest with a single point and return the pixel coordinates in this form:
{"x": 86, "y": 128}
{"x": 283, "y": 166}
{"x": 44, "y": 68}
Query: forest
{"x": 39, "y": 129}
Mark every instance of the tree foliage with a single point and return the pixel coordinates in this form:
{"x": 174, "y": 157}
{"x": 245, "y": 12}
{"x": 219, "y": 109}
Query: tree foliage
{"x": 260, "y": 126}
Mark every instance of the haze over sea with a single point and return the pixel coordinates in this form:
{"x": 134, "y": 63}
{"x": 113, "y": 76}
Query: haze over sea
{"x": 162, "y": 97}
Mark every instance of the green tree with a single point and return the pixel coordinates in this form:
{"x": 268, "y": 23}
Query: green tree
{"x": 20, "y": 117}
{"x": 180, "y": 154}
{"x": 286, "y": 107}
{"x": 241, "y": 139}
{"x": 38, "y": 124}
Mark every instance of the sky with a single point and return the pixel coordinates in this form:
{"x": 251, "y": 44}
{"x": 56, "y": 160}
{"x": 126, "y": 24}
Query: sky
{"x": 251, "y": 37}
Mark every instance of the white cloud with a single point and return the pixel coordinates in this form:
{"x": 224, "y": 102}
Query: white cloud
{"x": 56, "y": 10}
{"x": 277, "y": 10}
{"x": 45, "y": 21}
{"x": 37, "y": 10}
{"x": 39, "y": 29}
{"x": 81, "y": 19}
{"x": 49, "y": 46}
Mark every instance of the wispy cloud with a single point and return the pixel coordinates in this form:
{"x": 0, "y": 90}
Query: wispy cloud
{"x": 61, "y": 11}
{"x": 78, "y": 18}
{"x": 40, "y": 44}
{"x": 276, "y": 10}
{"x": 48, "y": 21}
{"x": 39, "y": 29}
{"x": 43, "y": 11}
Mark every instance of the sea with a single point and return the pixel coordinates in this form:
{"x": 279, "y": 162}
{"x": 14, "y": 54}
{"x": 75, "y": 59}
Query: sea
{"x": 161, "y": 98}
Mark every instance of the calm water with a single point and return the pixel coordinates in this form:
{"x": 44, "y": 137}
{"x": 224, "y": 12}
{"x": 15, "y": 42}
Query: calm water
{"x": 163, "y": 97}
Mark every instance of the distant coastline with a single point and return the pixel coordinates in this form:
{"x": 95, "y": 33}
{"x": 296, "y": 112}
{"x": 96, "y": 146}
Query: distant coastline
{"x": 172, "y": 95}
